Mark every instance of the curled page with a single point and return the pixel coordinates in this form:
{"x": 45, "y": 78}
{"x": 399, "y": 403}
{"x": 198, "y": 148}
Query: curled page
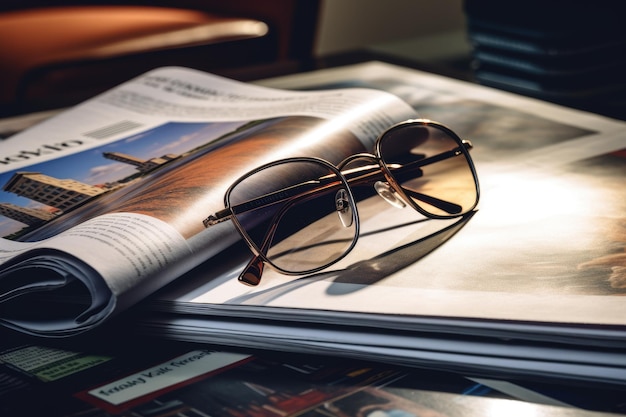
{"x": 103, "y": 204}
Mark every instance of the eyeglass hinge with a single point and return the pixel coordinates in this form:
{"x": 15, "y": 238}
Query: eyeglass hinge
{"x": 216, "y": 218}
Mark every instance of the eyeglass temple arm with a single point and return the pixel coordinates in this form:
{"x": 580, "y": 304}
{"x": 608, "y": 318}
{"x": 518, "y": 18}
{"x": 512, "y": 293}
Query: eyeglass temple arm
{"x": 253, "y": 271}
{"x": 446, "y": 206}
{"x": 358, "y": 175}
{"x": 352, "y": 176}
{"x": 368, "y": 177}
{"x": 218, "y": 217}
{"x": 251, "y": 274}
{"x": 438, "y": 157}
{"x": 284, "y": 194}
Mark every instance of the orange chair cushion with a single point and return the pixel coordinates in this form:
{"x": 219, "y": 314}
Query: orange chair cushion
{"x": 34, "y": 38}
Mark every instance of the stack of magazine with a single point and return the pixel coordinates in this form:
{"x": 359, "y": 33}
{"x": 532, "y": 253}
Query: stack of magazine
{"x": 103, "y": 206}
{"x": 182, "y": 380}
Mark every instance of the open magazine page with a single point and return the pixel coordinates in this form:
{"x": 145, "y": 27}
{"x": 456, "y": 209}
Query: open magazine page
{"x": 103, "y": 204}
{"x": 541, "y": 260}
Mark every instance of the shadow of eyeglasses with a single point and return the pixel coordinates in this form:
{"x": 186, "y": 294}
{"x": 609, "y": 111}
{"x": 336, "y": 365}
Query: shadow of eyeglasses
{"x": 368, "y": 271}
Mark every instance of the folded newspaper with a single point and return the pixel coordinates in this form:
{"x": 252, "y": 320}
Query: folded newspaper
{"x": 103, "y": 204}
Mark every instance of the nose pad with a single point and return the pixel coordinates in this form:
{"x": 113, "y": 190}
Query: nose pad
{"x": 388, "y": 194}
{"x": 343, "y": 207}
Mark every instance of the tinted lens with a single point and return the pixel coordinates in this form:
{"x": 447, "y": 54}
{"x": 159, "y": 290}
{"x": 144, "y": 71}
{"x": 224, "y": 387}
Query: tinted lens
{"x": 298, "y": 213}
{"x": 431, "y": 166}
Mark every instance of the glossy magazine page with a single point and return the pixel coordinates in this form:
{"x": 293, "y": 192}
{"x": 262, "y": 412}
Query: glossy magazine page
{"x": 541, "y": 261}
{"x": 103, "y": 204}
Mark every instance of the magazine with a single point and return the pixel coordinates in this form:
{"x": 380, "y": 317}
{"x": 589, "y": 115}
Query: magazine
{"x": 532, "y": 284}
{"x": 102, "y": 204}
{"x": 184, "y": 380}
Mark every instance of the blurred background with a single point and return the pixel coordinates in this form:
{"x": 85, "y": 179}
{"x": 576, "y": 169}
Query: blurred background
{"x": 55, "y": 53}
{"x": 423, "y": 30}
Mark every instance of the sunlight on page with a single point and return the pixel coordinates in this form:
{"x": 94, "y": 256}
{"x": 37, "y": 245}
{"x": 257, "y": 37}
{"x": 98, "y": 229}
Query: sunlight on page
{"x": 518, "y": 195}
{"x": 356, "y": 116}
{"x": 511, "y": 408}
{"x": 392, "y": 271}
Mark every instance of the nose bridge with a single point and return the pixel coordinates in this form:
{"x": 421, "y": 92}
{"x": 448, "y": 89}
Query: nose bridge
{"x": 361, "y": 169}
{"x": 341, "y": 165}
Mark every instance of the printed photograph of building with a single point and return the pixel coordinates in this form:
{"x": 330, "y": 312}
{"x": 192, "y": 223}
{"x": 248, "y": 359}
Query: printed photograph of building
{"x": 35, "y": 195}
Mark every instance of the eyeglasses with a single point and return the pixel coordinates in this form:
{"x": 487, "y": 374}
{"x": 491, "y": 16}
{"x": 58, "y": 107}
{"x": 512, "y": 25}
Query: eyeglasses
{"x": 299, "y": 214}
